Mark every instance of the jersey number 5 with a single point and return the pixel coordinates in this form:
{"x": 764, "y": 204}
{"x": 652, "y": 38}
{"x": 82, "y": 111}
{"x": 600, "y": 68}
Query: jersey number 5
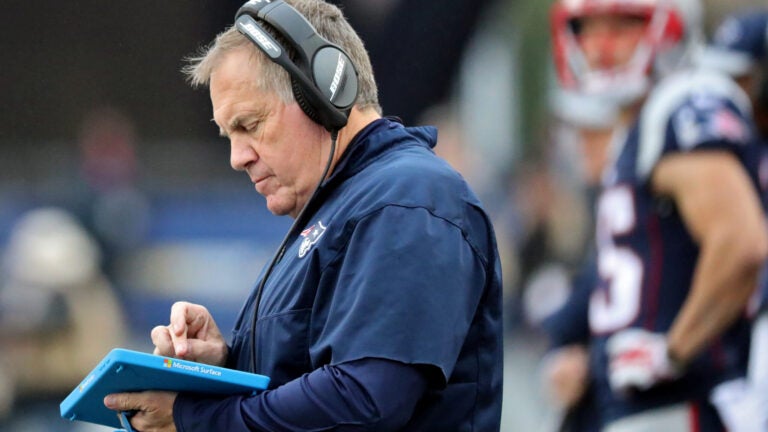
{"x": 615, "y": 303}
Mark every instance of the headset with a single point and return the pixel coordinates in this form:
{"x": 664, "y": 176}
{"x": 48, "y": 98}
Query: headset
{"x": 324, "y": 83}
{"x": 323, "y": 78}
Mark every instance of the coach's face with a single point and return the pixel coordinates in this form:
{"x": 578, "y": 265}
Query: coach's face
{"x": 276, "y": 144}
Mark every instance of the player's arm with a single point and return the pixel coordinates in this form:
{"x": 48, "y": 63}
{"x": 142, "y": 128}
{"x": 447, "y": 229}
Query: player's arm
{"x": 569, "y": 324}
{"x": 565, "y": 367}
{"x": 721, "y": 210}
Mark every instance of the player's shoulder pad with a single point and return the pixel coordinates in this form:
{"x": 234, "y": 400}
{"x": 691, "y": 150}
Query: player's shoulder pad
{"x": 701, "y": 105}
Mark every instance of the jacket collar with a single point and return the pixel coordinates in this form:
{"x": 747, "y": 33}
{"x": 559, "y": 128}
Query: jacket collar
{"x": 375, "y": 139}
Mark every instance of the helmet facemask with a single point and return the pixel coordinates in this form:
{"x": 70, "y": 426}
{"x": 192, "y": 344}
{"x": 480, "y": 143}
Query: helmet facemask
{"x": 664, "y": 47}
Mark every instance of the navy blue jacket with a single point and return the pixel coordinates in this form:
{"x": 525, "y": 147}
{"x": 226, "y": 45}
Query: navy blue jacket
{"x": 398, "y": 261}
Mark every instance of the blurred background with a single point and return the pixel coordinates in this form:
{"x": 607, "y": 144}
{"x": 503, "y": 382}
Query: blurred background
{"x": 116, "y": 196}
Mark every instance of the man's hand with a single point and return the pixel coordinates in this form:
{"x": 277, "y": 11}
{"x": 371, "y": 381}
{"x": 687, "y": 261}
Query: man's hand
{"x": 153, "y": 409}
{"x": 638, "y": 359}
{"x": 566, "y": 374}
{"x": 192, "y": 335}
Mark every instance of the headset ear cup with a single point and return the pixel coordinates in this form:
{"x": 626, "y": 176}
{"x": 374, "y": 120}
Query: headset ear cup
{"x": 301, "y": 99}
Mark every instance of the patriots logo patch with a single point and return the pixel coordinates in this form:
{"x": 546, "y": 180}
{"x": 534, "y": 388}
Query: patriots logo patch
{"x": 311, "y": 236}
{"x": 711, "y": 123}
{"x": 729, "y": 125}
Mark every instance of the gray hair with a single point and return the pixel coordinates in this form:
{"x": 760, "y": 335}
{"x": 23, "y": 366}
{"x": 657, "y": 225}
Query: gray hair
{"x": 329, "y": 22}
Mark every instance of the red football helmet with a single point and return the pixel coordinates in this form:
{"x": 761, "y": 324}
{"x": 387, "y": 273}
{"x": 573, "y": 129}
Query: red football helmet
{"x": 672, "y": 36}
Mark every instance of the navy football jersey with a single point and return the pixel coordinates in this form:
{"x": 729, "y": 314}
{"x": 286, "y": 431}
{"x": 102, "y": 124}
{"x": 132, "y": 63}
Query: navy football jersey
{"x": 760, "y": 300}
{"x": 646, "y": 256}
{"x": 761, "y": 296}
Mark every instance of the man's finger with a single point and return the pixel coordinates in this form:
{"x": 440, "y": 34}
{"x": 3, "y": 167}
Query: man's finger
{"x": 121, "y": 402}
{"x": 197, "y": 323}
{"x": 179, "y": 318}
{"x": 161, "y": 338}
{"x": 178, "y": 328}
{"x": 190, "y": 319}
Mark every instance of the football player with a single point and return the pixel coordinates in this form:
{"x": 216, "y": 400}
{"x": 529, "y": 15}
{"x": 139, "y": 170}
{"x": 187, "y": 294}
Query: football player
{"x": 680, "y": 230}
{"x": 740, "y": 49}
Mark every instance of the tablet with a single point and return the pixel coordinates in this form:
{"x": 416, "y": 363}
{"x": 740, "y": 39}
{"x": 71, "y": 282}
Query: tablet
{"x": 124, "y": 370}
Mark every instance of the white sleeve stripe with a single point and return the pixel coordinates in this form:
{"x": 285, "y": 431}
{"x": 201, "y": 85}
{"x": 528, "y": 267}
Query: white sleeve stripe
{"x": 666, "y": 98}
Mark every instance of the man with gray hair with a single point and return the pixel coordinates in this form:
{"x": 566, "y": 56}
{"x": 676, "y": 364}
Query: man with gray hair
{"x": 381, "y": 309}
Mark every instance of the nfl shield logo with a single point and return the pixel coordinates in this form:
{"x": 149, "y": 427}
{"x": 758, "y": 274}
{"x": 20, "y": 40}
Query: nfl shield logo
{"x": 311, "y": 236}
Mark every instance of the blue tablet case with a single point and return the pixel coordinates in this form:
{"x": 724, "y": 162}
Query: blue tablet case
{"x": 125, "y": 370}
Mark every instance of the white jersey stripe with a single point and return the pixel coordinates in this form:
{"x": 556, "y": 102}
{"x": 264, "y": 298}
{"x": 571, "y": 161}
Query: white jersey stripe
{"x": 668, "y": 97}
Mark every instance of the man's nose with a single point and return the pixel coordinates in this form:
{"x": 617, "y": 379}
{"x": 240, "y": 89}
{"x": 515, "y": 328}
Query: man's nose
{"x": 241, "y": 153}
{"x": 602, "y": 50}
